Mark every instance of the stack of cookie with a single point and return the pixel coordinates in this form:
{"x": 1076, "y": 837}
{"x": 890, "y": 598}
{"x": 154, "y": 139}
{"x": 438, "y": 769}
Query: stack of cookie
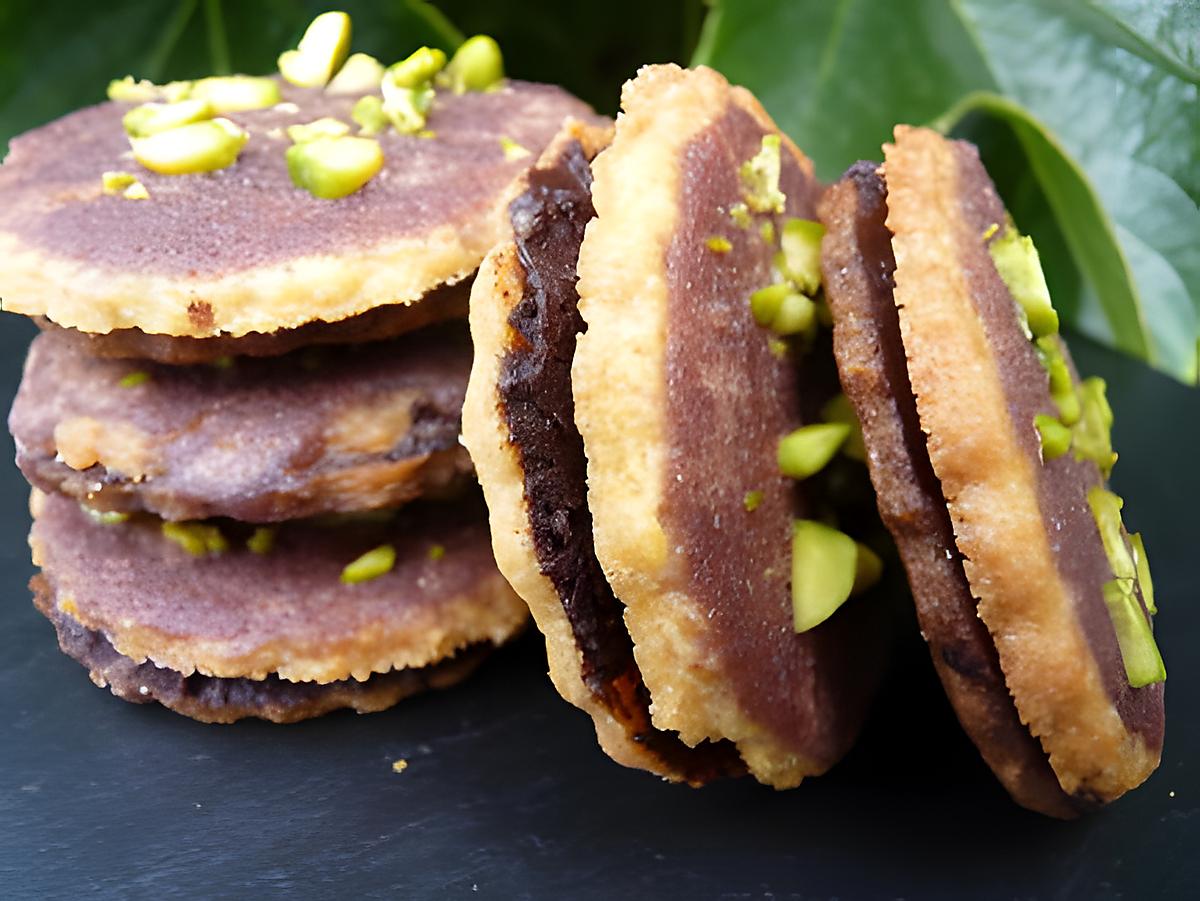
{"x": 242, "y": 417}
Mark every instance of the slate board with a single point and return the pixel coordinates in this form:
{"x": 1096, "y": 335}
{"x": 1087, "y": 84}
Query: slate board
{"x": 507, "y": 795}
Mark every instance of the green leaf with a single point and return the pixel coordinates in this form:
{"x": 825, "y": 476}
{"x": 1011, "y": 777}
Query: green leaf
{"x": 1102, "y": 100}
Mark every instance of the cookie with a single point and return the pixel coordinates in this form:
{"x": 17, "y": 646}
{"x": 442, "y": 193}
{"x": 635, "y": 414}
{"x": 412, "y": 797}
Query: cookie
{"x": 244, "y": 250}
{"x": 317, "y": 431}
{"x": 280, "y": 611}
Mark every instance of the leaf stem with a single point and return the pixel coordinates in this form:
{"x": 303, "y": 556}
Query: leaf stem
{"x": 156, "y": 61}
{"x": 218, "y": 40}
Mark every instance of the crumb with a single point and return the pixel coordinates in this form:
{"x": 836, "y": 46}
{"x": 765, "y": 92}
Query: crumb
{"x": 399, "y": 766}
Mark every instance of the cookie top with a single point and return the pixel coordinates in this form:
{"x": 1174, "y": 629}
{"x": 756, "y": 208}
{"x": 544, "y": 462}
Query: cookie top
{"x": 287, "y": 611}
{"x": 858, "y": 269}
{"x": 1033, "y": 554}
{"x": 681, "y": 398}
{"x": 211, "y": 699}
{"x": 318, "y": 431}
{"x": 243, "y": 249}
{"x": 519, "y": 422}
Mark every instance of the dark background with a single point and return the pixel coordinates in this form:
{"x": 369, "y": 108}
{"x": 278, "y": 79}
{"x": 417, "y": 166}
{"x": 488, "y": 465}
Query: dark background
{"x": 507, "y": 794}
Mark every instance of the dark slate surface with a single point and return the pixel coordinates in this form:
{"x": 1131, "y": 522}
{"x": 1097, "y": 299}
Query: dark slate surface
{"x": 507, "y": 796}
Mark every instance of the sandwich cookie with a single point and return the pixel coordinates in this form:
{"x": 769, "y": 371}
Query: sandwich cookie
{"x": 218, "y": 621}
{"x": 318, "y": 431}
{"x": 990, "y": 458}
{"x": 662, "y": 583}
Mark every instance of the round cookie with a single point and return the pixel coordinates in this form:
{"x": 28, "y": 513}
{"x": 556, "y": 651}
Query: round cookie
{"x": 282, "y": 612}
{"x": 244, "y": 250}
{"x": 1033, "y": 551}
{"x": 518, "y": 422}
{"x": 317, "y": 431}
{"x": 442, "y": 304}
{"x": 681, "y": 398}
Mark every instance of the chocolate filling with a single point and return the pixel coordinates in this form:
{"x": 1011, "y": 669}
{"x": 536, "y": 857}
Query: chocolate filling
{"x": 729, "y": 399}
{"x": 442, "y": 304}
{"x": 859, "y": 266}
{"x": 212, "y": 699}
{"x": 250, "y": 214}
{"x": 548, "y": 221}
{"x": 1062, "y": 483}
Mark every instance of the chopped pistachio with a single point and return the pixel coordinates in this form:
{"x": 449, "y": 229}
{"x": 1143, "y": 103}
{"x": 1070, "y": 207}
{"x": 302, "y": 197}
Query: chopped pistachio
{"x": 330, "y": 168}
{"x": 751, "y": 500}
{"x": 1106, "y": 509}
{"x": 126, "y": 90}
{"x": 740, "y": 214}
{"x": 262, "y": 540}
{"x": 477, "y": 65}
{"x": 991, "y": 230}
{"x": 371, "y": 565}
{"x": 779, "y": 308}
{"x": 1142, "y": 565}
{"x": 805, "y": 451}
{"x": 437, "y": 551}
{"x": 417, "y": 70}
{"x": 1017, "y": 261}
{"x": 116, "y": 182}
{"x": 368, "y": 113}
{"x": 777, "y": 347}
{"x": 1139, "y": 652}
{"x": 136, "y": 191}
{"x": 799, "y": 257}
{"x": 1056, "y": 437}
{"x": 824, "y": 568}
{"x": 868, "y": 569}
{"x": 1092, "y": 434}
{"x": 359, "y": 74}
{"x": 839, "y": 409}
{"x": 513, "y": 150}
{"x": 328, "y": 127}
{"x": 104, "y": 517}
{"x": 760, "y": 178}
{"x": 198, "y": 147}
{"x": 133, "y": 379}
{"x": 1062, "y": 387}
{"x": 405, "y": 108}
{"x": 197, "y": 538}
{"x": 320, "y": 53}
{"x": 766, "y": 231}
{"x": 151, "y": 118}
{"x": 719, "y": 244}
{"x": 237, "y": 93}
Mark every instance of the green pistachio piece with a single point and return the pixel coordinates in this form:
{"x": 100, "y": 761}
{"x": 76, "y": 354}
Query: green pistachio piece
{"x": 778, "y": 348}
{"x": 406, "y": 107}
{"x": 760, "y": 178}
{"x": 718, "y": 244}
{"x": 782, "y": 310}
{"x": 477, "y": 65}
{"x": 151, "y": 118}
{"x": 133, "y": 379}
{"x": 824, "y": 567}
{"x": 868, "y": 569}
{"x": 512, "y": 150}
{"x": 799, "y": 257}
{"x": 126, "y": 90}
{"x": 104, "y": 517}
{"x": 1106, "y": 509}
{"x": 136, "y": 191}
{"x": 805, "y": 451}
{"x": 1062, "y": 387}
{"x": 766, "y": 231}
{"x": 320, "y": 53}
{"x": 262, "y": 540}
{"x": 765, "y": 303}
{"x": 371, "y": 565}
{"x": 739, "y": 213}
{"x": 359, "y": 74}
{"x": 368, "y": 113}
{"x": 417, "y": 70}
{"x": 197, "y": 538}
{"x": 327, "y": 127}
{"x": 330, "y": 168}
{"x": 1142, "y": 565}
{"x": 1092, "y": 434}
{"x": 1139, "y": 652}
{"x": 437, "y": 552}
{"x": 1056, "y": 437}
{"x": 1017, "y": 261}
{"x": 839, "y": 409}
{"x": 116, "y": 182}
{"x": 751, "y": 500}
{"x": 236, "y": 93}
{"x": 198, "y": 147}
